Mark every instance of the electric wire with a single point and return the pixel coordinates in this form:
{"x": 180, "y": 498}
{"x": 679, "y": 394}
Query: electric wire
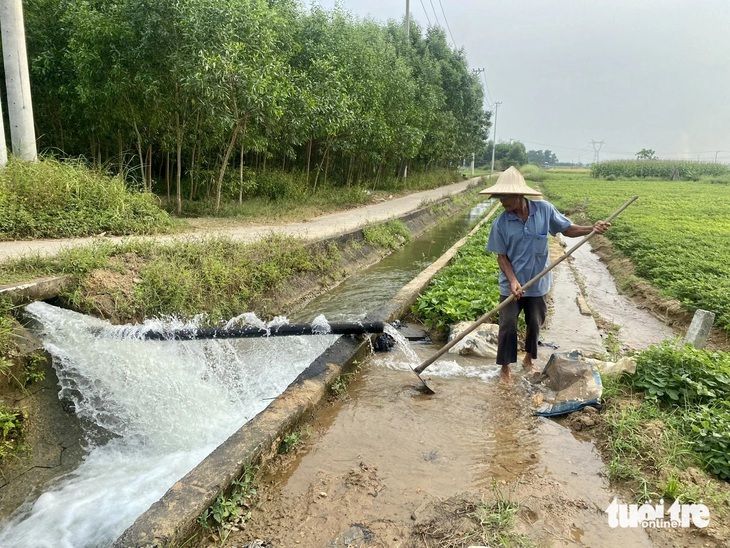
{"x": 426, "y": 13}
{"x": 438, "y": 23}
{"x": 447, "y": 24}
{"x": 490, "y": 102}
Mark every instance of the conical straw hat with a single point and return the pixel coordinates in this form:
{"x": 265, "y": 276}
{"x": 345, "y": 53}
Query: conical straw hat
{"x": 511, "y": 181}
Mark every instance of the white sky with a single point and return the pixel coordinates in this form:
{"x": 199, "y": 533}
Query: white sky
{"x": 632, "y": 73}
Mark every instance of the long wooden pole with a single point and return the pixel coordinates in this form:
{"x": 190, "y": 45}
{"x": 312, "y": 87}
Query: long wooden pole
{"x": 418, "y": 370}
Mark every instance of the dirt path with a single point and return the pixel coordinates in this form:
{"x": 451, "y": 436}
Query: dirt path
{"x": 325, "y": 226}
{"x": 388, "y": 467}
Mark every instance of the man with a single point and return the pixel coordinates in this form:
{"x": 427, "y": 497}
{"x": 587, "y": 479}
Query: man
{"x": 519, "y": 237}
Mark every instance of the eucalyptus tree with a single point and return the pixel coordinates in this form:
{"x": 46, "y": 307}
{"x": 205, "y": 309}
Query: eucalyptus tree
{"x": 463, "y": 123}
{"x": 323, "y": 102}
{"x": 242, "y": 63}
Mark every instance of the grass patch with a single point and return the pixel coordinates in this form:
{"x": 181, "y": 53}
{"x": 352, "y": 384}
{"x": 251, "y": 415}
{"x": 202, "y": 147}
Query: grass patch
{"x": 231, "y": 510}
{"x": 53, "y": 199}
{"x": 217, "y": 277}
{"x": 667, "y": 422}
{"x": 390, "y": 235}
{"x": 460, "y": 523}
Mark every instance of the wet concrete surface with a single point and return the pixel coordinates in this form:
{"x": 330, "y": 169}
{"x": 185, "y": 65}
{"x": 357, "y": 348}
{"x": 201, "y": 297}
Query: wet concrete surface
{"x": 639, "y": 328}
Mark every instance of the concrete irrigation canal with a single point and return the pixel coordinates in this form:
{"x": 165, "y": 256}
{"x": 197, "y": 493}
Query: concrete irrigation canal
{"x": 169, "y": 426}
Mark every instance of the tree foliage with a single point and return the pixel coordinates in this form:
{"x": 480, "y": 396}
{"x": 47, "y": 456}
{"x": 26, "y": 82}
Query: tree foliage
{"x": 204, "y": 95}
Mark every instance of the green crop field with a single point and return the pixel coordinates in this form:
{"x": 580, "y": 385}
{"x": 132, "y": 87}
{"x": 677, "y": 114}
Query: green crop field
{"x": 677, "y": 234}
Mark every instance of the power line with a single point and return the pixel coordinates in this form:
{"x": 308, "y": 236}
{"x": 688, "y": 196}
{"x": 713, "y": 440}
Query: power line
{"x": 447, "y": 24}
{"x": 489, "y": 95}
{"x": 438, "y": 24}
{"x": 596, "y": 149}
{"x": 486, "y": 97}
{"x": 494, "y": 138}
{"x": 425, "y": 13}
{"x": 583, "y": 149}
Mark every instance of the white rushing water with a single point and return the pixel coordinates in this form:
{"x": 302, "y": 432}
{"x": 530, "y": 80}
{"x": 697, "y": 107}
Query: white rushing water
{"x": 163, "y": 406}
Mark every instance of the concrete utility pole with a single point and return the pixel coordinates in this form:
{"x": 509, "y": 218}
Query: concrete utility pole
{"x": 408, "y": 22}
{"x": 3, "y": 146}
{"x": 494, "y": 137}
{"x": 17, "y": 80}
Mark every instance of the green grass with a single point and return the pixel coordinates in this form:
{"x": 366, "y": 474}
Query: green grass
{"x": 671, "y": 417}
{"x": 233, "y": 508}
{"x": 53, "y": 199}
{"x": 218, "y": 277}
{"x": 390, "y": 235}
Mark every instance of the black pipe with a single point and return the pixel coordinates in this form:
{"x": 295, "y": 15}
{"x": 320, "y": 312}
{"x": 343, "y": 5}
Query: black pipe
{"x": 285, "y": 330}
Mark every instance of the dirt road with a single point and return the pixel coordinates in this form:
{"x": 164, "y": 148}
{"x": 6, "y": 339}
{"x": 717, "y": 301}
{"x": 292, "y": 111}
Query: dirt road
{"x": 325, "y": 226}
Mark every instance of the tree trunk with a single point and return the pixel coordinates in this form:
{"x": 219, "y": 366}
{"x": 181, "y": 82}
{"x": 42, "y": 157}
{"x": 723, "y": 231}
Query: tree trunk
{"x": 326, "y": 165}
{"x": 167, "y": 174}
{"x": 240, "y": 189}
{"x": 319, "y": 166}
{"x": 224, "y": 165}
{"x": 179, "y": 135}
{"x": 192, "y": 173}
{"x": 149, "y": 167}
{"x": 309, "y": 157}
{"x": 141, "y": 156}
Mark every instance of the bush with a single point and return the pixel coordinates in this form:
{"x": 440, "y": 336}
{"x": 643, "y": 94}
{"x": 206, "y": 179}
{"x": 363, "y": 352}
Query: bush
{"x": 52, "y": 199}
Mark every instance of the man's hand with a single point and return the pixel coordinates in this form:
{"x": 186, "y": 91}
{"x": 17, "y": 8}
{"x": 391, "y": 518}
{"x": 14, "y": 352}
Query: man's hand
{"x": 601, "y": 226}
{"x": 515, "y": 288}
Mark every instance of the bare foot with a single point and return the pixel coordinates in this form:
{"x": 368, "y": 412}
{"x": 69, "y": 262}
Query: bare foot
{"x": 504, "y": 373}
{"x": 528, "y": 366}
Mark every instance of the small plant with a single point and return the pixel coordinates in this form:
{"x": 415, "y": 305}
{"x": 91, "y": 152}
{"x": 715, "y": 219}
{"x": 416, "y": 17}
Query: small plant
{"x": 339, "y": 387}
{"x": 32, "y": 368}
{"x": 232, "y": 510}
{"x": 392, "y": 234}
{"x": 11, "y": 426}
{"x": 290, "y": 441}
{"x": 496, "y": 520}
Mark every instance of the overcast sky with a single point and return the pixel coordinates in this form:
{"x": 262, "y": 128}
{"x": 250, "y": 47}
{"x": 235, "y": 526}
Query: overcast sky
{"x": 571, "y": 74}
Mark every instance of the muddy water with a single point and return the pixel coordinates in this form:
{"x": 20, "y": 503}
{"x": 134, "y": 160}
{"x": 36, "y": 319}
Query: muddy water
{"x": 639, "y": 328}
{"x": 386, "y": 457}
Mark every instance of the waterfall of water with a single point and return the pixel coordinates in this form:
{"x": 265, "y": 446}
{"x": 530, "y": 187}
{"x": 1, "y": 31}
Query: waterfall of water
{"x": 161, "y": 407}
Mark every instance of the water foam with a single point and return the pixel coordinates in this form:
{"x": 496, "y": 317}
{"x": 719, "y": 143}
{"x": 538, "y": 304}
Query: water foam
{"x": 162, "y": 407}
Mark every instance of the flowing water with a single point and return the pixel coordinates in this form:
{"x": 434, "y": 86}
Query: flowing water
{"x": 153, "y": 410}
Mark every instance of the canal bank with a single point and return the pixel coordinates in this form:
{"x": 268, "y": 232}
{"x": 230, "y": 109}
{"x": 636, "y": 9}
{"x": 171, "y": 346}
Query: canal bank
{"x": 417, "y": 221}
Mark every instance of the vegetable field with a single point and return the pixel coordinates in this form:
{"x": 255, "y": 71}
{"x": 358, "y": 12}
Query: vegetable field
{"x": 676, "y": 234}
{"x": 465, "y": 289}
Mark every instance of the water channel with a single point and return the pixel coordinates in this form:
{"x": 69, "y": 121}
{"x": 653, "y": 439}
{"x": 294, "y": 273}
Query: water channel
{"x": 153, "y": 410}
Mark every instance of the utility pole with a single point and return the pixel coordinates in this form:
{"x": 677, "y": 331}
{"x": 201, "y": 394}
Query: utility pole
{"x": 596, "y": 149}
{"x": 494, "y": 137}
{"x": 472, "y": 164}
{"x": 17, "y": 80}
{"x": 3, "y": 146}
{"x": 408, "y": 22}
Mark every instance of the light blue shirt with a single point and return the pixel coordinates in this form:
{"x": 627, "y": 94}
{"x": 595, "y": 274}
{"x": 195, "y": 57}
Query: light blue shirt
{"x": 526, "y": 244}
